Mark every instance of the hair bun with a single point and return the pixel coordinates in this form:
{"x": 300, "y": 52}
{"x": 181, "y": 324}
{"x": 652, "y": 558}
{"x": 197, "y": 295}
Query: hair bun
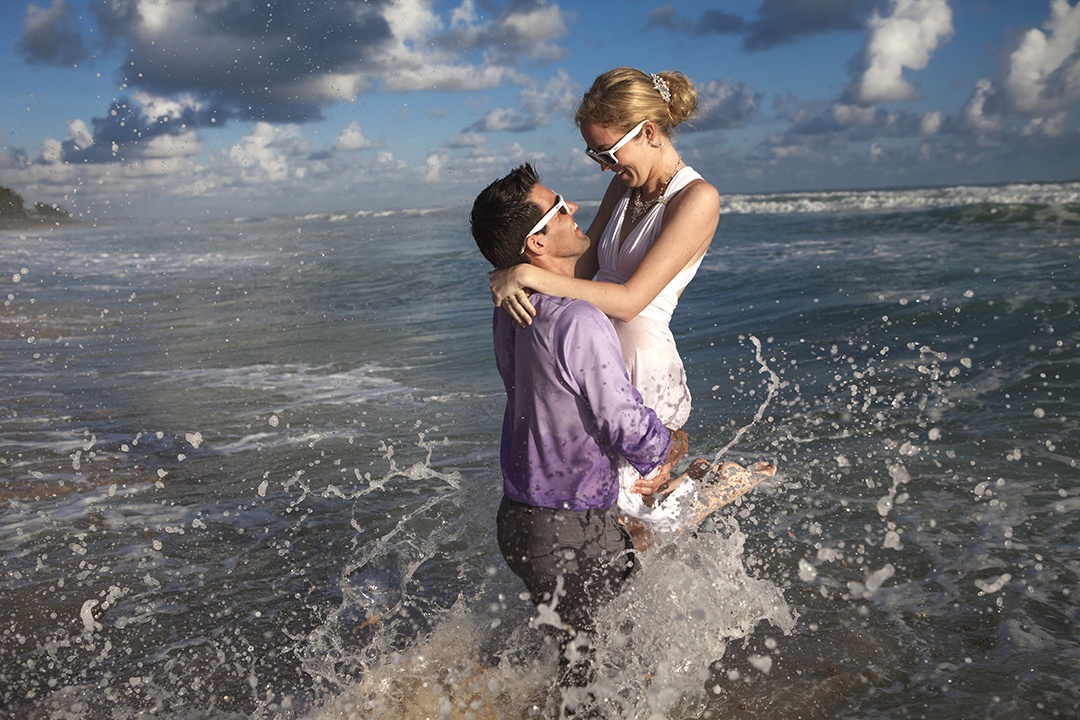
{"x": 682, "y": 100}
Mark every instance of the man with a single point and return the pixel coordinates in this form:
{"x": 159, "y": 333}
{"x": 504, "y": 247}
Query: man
{"x": 571, "y": 412}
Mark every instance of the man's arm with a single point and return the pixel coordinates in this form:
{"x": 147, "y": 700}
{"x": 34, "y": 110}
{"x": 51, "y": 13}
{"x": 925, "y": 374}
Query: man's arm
{"x": 588, "y": 349}
{"x": 680, "y": 445}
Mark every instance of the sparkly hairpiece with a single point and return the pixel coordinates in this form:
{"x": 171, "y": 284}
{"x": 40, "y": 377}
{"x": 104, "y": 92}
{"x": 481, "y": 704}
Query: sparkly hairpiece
{"x": 661, "y": 87}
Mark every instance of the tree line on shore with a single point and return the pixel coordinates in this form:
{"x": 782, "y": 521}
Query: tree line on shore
{"x": 13, "y": 207}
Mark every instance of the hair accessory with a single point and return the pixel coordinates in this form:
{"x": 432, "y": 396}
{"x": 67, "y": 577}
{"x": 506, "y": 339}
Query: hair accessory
{"x": 661, "y": 87}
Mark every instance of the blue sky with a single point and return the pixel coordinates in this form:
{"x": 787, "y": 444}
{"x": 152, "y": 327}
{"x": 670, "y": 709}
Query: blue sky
{"x": 216, "y": 108}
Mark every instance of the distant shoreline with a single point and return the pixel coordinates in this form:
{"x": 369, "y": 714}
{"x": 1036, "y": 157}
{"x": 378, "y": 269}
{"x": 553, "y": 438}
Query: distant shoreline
{"x": 28, "y": 223}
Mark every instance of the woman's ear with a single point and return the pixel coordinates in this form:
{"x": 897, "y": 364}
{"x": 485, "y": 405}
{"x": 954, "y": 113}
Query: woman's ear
{"x": 652, "y": 134}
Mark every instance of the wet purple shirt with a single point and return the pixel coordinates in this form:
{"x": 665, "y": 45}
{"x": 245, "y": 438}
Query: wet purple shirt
{"x": 570, "y": 408}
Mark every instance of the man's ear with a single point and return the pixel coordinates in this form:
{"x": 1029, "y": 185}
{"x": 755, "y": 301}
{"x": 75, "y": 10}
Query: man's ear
{"x": 537, "y": 244}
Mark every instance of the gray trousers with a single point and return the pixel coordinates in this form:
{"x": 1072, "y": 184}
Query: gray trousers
{"x": 590, "y": 550}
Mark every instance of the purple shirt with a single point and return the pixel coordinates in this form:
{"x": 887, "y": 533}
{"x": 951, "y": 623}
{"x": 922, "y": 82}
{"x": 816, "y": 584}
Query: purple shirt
{"x": 571, "y": 410}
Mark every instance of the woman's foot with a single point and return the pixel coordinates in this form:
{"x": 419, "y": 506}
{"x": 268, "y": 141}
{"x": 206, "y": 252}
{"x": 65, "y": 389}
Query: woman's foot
{"x": 720, "y": 486}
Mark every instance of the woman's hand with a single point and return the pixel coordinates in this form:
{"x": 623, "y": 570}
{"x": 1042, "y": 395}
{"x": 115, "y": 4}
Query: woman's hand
{"x": 648, "y": 485}
{"x": 509, "y": 293}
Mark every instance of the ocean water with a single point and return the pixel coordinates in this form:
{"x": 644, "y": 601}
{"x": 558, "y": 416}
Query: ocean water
{"x": 249, "y": 470}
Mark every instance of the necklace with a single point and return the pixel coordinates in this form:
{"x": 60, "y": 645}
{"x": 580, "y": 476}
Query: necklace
{"x": 639, "y": 207}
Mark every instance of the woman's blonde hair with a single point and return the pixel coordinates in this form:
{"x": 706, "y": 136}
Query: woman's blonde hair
{"x": 623, "y": 97}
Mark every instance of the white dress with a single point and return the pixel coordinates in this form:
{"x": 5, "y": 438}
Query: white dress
{"x": 648, "y": 347}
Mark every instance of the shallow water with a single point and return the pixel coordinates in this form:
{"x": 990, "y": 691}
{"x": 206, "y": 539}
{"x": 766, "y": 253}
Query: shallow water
{"x": 250, "y": 469}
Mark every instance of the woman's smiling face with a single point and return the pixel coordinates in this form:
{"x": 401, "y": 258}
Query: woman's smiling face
{"x": 599, "y": 138}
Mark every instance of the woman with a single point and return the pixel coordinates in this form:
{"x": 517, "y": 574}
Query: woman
{"x": 650, "y": 233}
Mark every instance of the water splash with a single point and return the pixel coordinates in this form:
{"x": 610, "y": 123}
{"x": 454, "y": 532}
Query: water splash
{"x": 772, "y": 387}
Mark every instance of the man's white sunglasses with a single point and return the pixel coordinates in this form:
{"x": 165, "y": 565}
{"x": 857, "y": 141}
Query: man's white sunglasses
{"x": 559, "y": 206}
{"x": 607, "y": 157}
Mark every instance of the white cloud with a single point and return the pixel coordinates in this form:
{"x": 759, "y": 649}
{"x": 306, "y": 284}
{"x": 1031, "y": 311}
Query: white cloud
{"x": 422, "y": 58}
{"x": 535, "y": 31}
{"x": 1039, "y": 83}
{"x": 559, "y": 95}
{"x": 467, "y": 140}
{"x": 506, "y": 120}
{"x": 185, "y": 144}
{"x": 419, "y": 73}
{"x": 1044, "y": 71}
{"x": 156, "y": 108}
{"x": 330, "y": 87}
{"x": 79, "y": 134}
{"x": 352, "y": 139}
{"x": 847, "y": 115}
{"x": 435, "y": 164}
{"x": 52, "y": 151}
{"x": 930, "y": 124}
{"x": 906, "y": 38}
{"x": 264, "y": 155}
{"x": 464, "y": 15}
{"x": 412, "y": 20}
{"x": 1051, "y": 126}
{"x": 975, "y": 113}
{"x": 726, "y": 104}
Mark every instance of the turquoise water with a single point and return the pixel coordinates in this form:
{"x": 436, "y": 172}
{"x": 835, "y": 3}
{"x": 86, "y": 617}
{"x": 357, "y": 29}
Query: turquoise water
{"x": 249, "y": 469}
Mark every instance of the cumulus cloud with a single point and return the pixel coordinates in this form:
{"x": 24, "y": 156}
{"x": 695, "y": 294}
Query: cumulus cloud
{"x": 265, "y": 155}
{"x": 557, "y": 97}
{"x": 192, "y": 64}
{"x": 249, "y": 58}
{"x": 466, "y": 140}
{"x": 726, "y": 104}
{"x": 417, "y": 73}
{"x": 1043, "y": 72}
{"x": 1051, "y": 126}
{"x": 976, "y": 113}
{"x": 435, "y": 164}
{"x": 905, "y": 38}
{"x": 352, "y": 138}
{"x": 524, "y": 30}
{"x": 50, "y": 36}
{"x": 852, "y": 121}
{"x": 287, "y": 61}
{"x": 930, "y": 123}
{"x": 470, "y": 54}
{"x": 137, "y": 127}
{"x": 504, "y": 120}
{"x": 1038, "y": 83}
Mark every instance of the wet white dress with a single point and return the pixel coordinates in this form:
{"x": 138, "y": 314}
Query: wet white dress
{"x": 648, "y": 347}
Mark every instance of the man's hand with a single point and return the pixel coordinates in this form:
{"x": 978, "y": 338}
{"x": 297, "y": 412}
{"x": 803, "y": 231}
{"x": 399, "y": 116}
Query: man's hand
{"x": 680, "y": 445}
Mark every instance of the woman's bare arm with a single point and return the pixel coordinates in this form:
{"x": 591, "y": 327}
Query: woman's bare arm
{"x": 510, "y": 286}
{"x": 689, "y": 223}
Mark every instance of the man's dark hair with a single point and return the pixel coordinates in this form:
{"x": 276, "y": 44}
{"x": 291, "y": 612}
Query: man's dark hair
{"x": 502, "y": 215}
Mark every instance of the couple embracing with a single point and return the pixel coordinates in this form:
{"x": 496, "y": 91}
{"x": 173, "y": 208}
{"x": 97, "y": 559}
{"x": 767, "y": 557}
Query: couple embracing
{"x": 596, "y": 390}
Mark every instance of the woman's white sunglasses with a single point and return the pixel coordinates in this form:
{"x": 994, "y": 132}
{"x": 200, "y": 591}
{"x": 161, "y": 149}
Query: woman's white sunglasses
{"x": 607, "y": 157}
{"x": 559, "y": 206}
